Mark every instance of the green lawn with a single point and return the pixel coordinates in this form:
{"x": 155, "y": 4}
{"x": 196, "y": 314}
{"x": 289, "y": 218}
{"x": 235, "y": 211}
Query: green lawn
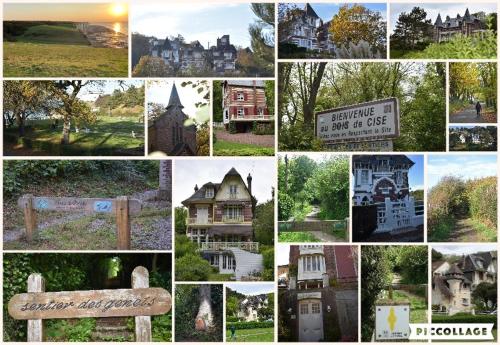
{"x": 25, "y": 59}
{"x": 296, "y": 237}
{"x": 227, "y": 148}
{"x": 108, "y": 134}
{"x": 418, "y": 307}
{"x": 252, "y": 335}
{"x": 60, "y": 33}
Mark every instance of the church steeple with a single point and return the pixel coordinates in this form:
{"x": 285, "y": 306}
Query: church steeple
{"x": 174, "y": 100}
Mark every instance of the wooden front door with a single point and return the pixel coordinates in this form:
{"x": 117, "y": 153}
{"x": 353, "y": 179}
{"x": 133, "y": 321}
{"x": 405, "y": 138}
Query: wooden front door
{"x": 310, "y": 320}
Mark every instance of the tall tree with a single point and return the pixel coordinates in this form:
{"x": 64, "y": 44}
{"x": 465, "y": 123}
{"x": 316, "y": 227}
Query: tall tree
{"x": 262, "y": 36}
{"x": 354, "y": 23}
{"x": 309, "y": 78}
{"x": 411, "y": 28}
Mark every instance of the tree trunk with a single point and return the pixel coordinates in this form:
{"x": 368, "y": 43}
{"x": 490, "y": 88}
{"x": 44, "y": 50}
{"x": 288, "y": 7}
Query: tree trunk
{"x": 205, "y": 319}
{"x": 308, "y": 108}
{"x": 66, "y": 129}
{"x": 20, "y": 124}
{"x": 286, "y": 173}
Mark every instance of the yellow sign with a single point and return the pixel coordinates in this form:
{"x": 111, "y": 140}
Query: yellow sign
{"x": 392, "y": 319}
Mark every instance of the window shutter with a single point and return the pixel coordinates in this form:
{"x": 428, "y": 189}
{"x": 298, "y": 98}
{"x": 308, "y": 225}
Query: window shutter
{"x": 245, "y": 96}
{"x": 246, "y": 111}
{"x": 235, "y": 96}
{"x": 266, "y": 111}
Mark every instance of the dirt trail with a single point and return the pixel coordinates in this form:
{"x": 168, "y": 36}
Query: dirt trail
{"x": 313, "y": 215}
{"x": 464, "y": 231}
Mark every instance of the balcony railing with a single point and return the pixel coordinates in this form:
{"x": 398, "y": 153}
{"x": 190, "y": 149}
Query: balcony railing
{"x": 233, "y": 219}
{"x": 252, "y": 117}
{"x": 200, "y": 221}
{"x": 248, "y": 246}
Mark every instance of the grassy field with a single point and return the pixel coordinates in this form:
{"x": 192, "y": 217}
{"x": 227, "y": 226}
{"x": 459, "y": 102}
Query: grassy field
{"x": 60, "y": 51}
{"x": 296, "y": 236}
{"x": 418, "y": 307}
{"x": 226, "y": 148}
{"x": 108, "y": 135}
{"x": 252, "y": 335}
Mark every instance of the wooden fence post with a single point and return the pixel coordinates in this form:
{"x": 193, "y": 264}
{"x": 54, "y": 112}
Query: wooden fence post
{"x": 36, "y": 283}
{"x": 29, "y": 217}
{"x": 122, "y": 223}
{"x": 140, "y": 279}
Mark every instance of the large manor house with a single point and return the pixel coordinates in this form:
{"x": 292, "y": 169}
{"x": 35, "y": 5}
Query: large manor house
{"x": 307, "y": 30}
{"x": 454, "y": 282}
{"x": 180, "y": 55}
{"x": 467, "y": 25}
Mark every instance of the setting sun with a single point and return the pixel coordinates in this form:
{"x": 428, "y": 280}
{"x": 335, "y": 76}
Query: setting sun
{"x": 118, "y": 9}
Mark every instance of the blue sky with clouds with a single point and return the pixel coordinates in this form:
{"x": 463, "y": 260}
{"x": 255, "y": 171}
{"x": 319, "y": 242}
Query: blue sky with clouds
{"x": 200, "y": 171}
{"x": 327, "y": 11}
{"x": 253, "y": 288}
{"x": 446, "y": 9}
{"x": 91, "y": 92}
{"x": 194, "y": 21}
{"x": 466, "y": 166}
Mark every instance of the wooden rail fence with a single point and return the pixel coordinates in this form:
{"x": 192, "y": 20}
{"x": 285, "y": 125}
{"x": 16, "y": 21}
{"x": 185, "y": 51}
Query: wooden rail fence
{"x": 122, "y": 207}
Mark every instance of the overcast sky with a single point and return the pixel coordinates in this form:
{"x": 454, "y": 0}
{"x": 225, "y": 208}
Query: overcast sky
{"x": 158, "y": 91}
{"x": 253, "y": 288}
{"x": 464, "y": 249}
{"x": 446, "y": 9}
{"x": 282, "y": 252}
{"x": 204, "y": 22}
{"x": 188, "y": 173}
{"x": 467, "y": 166}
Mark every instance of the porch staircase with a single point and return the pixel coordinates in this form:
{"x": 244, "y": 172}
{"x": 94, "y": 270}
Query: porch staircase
{"x": 246, "y": 262}
{"x": 112, "y": 329}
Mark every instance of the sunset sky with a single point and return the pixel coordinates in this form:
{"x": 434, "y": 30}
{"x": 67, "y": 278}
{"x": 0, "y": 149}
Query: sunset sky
{"x": 76, "y": 12}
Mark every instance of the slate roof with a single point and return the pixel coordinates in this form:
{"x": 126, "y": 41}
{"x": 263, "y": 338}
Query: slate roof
{"x": 253, "y": 301}
{"x": 174, "y": 100}
{"x": 443, "y": 287}
{"x": 373, "y": 159}
{"x": 199, "y": 195}
{"x": 310, "y": 12}
{"x": 455, "y": 22}
{"x": 248, "y": 83}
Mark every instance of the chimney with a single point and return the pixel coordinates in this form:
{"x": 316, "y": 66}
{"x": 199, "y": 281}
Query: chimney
{"x": 195, "y": 188}
{"x": 249, "y": 183}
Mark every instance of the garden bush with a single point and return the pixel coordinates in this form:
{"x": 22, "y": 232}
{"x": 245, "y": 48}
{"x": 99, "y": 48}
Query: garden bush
{"x": 465, "y": 318}
{"x": 482, "y": 195}
{"x": 250, "y": 324}
{"x": 285, "y": 206}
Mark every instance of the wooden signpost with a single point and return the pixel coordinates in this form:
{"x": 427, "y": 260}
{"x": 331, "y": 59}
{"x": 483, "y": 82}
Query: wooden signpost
{"x": 140, "y": 301}
{"x": 122, "y": 207}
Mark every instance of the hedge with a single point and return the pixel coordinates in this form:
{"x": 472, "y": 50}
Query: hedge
{"x": 250, "y": 324}
{"x": 465, "y": 318}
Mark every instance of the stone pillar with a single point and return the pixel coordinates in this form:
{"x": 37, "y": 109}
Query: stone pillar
{"x": 326, "y": 280}
{"x": 292, "y": 285}
{"x": 165, "y": 180}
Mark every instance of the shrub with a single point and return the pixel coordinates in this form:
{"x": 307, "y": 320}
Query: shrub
{"x": 250, "y": 324}
{"x": 285, "y": 206}
{"x": 482, "y": 195}
{"x": 465, "y": 318}
{"x": 192, "y": 267}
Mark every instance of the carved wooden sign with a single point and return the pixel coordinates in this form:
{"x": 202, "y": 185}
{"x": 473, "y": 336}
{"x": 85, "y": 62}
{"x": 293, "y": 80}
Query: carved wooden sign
{"x": 91, "y": 303}
{"x": 89, "y": 205}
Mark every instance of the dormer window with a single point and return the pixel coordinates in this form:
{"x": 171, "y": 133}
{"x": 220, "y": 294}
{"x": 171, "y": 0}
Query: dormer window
{"x": 209, "y": 193}
{"x": 233, "y": 190}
